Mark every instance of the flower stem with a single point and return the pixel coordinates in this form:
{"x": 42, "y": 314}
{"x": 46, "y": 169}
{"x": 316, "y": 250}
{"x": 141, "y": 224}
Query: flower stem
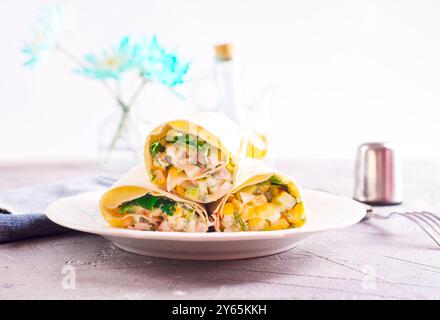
{"x": 125, "y": 112}
{"x": 117, "y": 97}
{"x": 138, "y": 91}
{"x": 72, "y": 57}
{"x": 80, "y": 64}
{"x": 118, "y": 133}
{"x": 125, "y": 107}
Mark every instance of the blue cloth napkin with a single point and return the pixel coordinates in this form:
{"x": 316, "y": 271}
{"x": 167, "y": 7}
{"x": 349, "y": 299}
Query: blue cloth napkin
{"x": 22, "y": 209}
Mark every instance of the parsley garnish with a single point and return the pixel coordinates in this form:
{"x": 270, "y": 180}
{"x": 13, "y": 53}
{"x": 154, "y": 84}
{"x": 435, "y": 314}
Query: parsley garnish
{"x": 156, "y": 147}
{"x": 150, "y": 202}
{"x": 275, "y": 180}
{"x": 191, "y": 140}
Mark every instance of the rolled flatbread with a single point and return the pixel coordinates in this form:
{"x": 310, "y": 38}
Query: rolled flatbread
{"x": 133, "y": 202}
{"x": 262, "y": 199}
{"x": 195, "y": 157}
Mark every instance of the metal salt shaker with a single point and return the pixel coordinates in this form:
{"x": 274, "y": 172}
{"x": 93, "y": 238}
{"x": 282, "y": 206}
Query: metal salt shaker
{"x": 378, "y": 174}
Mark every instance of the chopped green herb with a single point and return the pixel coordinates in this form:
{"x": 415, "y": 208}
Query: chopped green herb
{"x": 240, "y": 221}
{"x": 156, "y": 147}
{"x": 188, "y": 139}
{"x": 275, "y": 180}
{"x": 150, "y": 202}
{"x": 166, "y": 205}
{"x": 203, "y": 148}
{"x": 173, "y": 135}
{"x": 191, "y": 140}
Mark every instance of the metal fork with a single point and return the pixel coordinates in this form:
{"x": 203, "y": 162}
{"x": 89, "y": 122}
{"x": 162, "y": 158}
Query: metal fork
{"x": 427, "y": 221}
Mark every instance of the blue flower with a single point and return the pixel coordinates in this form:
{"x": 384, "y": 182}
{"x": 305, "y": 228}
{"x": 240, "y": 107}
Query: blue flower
{"x": 111, "y": 64}
{"x": 157, "y": 64}
{"x": 45, "y": 36}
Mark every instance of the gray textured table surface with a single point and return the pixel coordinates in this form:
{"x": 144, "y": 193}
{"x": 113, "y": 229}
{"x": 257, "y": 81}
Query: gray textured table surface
{"x": 374, "y": 259}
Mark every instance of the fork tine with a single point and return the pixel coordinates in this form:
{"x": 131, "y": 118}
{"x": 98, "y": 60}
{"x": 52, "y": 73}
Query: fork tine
{"x": 434, "y": 218}
{"x": 427, "y": 226}
{"x": 433, "y": 223}
{"x": 422, "y": 223}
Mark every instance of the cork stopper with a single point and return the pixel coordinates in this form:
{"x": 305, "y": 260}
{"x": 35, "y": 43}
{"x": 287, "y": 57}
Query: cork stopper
{"x": 224, "y": 52}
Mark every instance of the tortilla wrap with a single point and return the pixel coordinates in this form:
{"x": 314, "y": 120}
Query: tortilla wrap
{"x": 252, "y": 172}
{"x": 133, "y": 185}
{"x": 211, "y": 129}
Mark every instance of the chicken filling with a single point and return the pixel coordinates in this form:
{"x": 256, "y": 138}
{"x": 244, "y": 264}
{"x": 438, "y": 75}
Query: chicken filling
{"x": 190, "y": 167}
{"x": 152, "y": 213}
{"x": 261, "y": 207}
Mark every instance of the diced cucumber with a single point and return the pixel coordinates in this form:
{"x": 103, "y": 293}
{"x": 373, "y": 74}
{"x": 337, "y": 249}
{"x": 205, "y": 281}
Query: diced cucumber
{"x": 284, "y": 201}
{"x": 190, "y": 214}
{"x": 192, "y": 192}
{"x": 126, "y": 207}
{"x": 246, "y": 197}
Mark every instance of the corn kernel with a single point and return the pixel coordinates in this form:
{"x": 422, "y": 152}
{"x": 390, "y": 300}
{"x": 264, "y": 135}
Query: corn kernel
{"x": 173, "y": 173}
{"x": 294, "y": 215}
{"x": 299, "y": 208}
{"x": 256, "y": 224}
{"x": 180, "y": 190}
{"x": 178, "y": 211}
{"x": 280, "y": 224}
{"x": 265, "y": 211}
{"x": 274, "y": 190}
{"x": 249, "y": 212}
{"x": 299, "y": 223}
{"x": 228, "y": 209}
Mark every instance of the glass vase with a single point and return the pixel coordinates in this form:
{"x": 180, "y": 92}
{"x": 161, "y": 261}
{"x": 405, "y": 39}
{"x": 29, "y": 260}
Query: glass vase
{"x": 121, "y": 140}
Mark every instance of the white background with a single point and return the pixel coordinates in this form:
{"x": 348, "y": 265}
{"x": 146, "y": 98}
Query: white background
{"x": 344, "y": 72}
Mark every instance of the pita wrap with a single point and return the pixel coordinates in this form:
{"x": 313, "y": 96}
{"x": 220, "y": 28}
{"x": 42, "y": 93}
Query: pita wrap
{"x": 261, "y": 199}
{"x": 195, "y": 157}
{"x": 134, "y": 202}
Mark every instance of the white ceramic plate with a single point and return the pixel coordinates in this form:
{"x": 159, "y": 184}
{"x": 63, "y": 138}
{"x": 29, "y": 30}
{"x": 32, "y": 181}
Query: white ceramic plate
{"x": 325, "y": 212}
